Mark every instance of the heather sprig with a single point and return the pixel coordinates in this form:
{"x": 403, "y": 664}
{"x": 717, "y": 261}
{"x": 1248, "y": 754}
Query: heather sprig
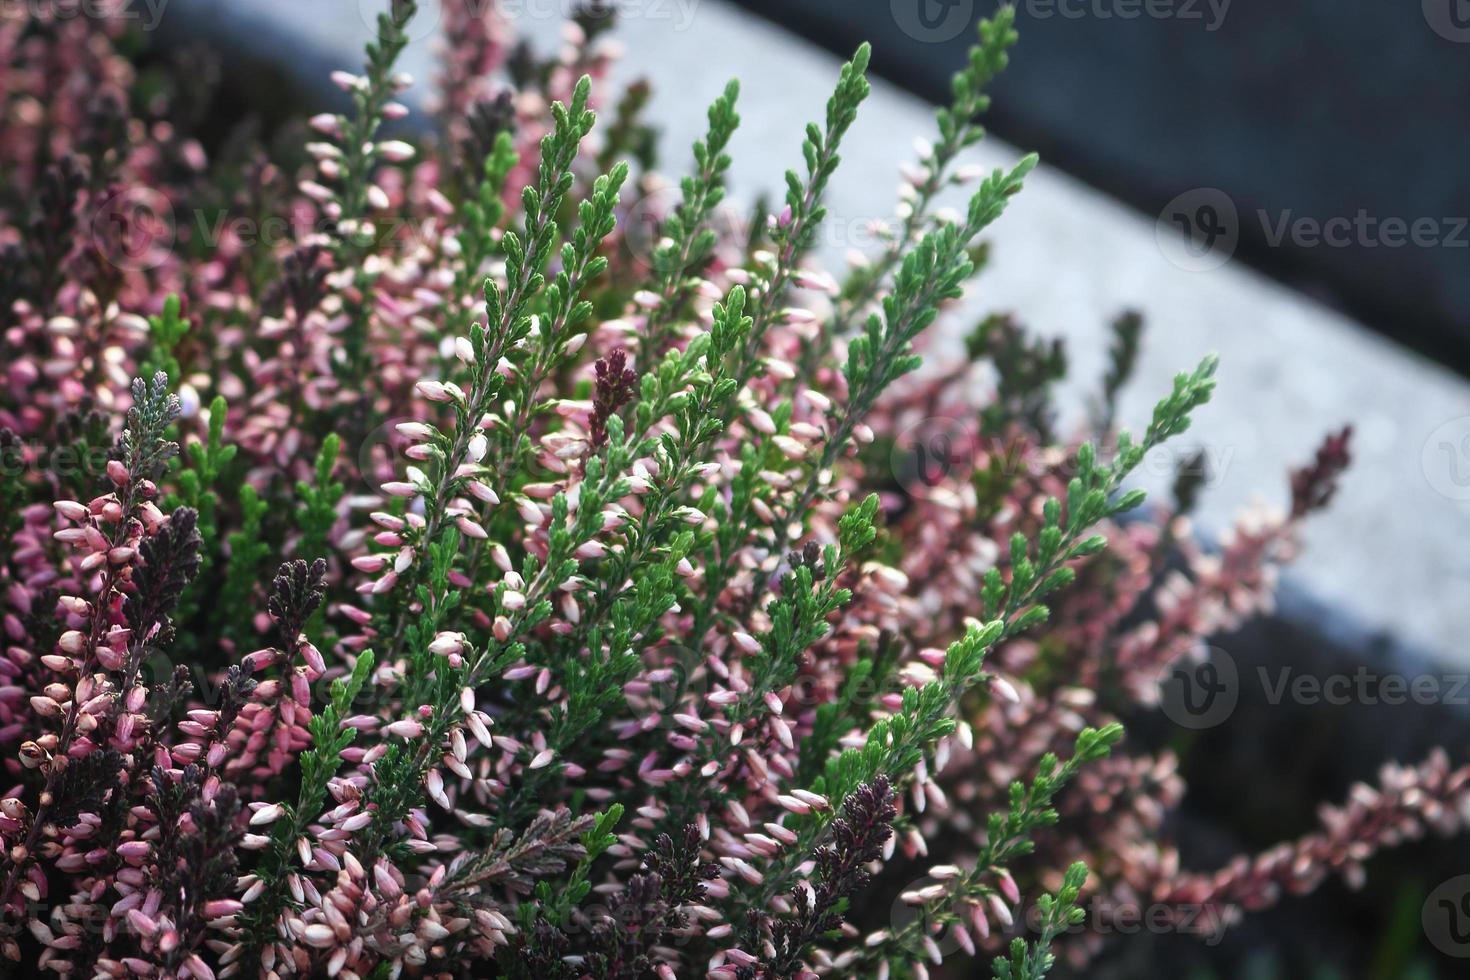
{"x": 480, "y": 216}
{"x": 798, "y": 616}
{"x": 145, "y": 444}
{"x": 457, "y": 457}
{"x": 555, "y": 903}
{"x": 1122, "y": 358}
{"x": 248, "y": 551}
{"x": 1026, "y": 372}
{"x": 197, "y": 855}
{"x": 652, "y": 906}
{"x": 50, "y": 234}
{"x": 685, "y": 240}
{"x": 166, "y": 331}
{"x": 895, "y": 745}
{"x": 169, "y": 560}
{"x": 317, "y": 508}
{"x": 793, "y": 235}
{"x": 1092, "y": 495}
{"x": 678, "y": 455}
{"x": 973, "y": 900}
{"x": 195, "y": 483}
{"x": 208, "y": 459}
{"x": 930, "y": 274}
{"x": 449, "y": 669}
{"x": 268, "y": 887}
{"x": 110, "y": 529}
{"x": 959, "y": 129}
{"x": 635, "y": 586}
{"x": 794, "y": 231}
{"x": 563, "y": 308}
{"x": 856, "y": 840}
{"x": 1059, "y": 913}
{"x": 350, "y": 161}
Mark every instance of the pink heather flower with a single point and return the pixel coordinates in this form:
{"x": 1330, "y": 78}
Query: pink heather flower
{"x": 1004, "y": 689}
{"x": 446, "y": 643}
{"x": 471, "y": 528}
{"x": 405, "y": 728}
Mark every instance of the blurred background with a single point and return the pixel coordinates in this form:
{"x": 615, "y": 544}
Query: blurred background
{"x": 1282, "y": 183}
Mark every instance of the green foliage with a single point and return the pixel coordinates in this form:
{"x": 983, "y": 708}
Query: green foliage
{"x": 563, "y": 310}
{"x": 207, "y": 462}
{"x": 930, "y": 274}
{"x": 958, "y": 129}
{"x": 316, "y": 510}
{"x": 248, "y": 549}
{"x": 1025, "y": 373}
{"x": 195, "y": 484}
{"x": 897, "y": 743}
{"x": 555, "y": 903}
{"x": 564, "y": 539}
{"x": 685, "y": 240}
{"x": 1122, "y": 358}
{"x": 796, "y": 228}
{"x": 356, "y": 235}
{"x": 1058, "y": 913}
{"x": 13, "y": 490}
{"x": 480, "y": 215}
{"x": 1039, "y": 569}
{"x": 165, "y": 332}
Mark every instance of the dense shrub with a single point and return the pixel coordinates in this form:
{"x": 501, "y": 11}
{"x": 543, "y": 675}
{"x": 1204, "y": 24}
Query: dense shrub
{"x": 461, "y": 580}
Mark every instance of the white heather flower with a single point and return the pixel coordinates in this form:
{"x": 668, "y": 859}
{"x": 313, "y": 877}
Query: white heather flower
{"x": 434, "y": 391}
{"x": 269, "y": 813}
{"x": 396, "y": 151}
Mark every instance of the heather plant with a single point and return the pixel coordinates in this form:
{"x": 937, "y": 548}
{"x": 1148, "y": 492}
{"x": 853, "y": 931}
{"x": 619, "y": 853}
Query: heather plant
{"x": 457, "y": 586}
